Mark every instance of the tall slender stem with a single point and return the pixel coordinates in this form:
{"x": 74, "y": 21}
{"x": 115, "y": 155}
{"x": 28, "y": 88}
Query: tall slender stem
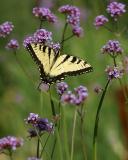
{"x": 73, "y": 134}
{"x": 97, "y": 120}
{"x": 52, "y": 104}
{"x": 82, "y": 132}
{"x": 10, "y": 155}
{"x": 63, "y": 36}
{"x": 41, "y": 22}
{"x": 67, "y": 38}
{"x": 38, "y": 148}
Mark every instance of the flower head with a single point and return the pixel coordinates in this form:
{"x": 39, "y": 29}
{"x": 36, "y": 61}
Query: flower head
{"x": 98, "y": 89}
{"x": 6, "y": 28}
{"x": 10, "y": 142}
{"x": 13, "y": 44}
{"x": 77, "y": 31}
{"x": 112, "y": 47}
{"x": 100, "y": 21}
{"x": 56, "y": 47}
{"x": 114, "y": 72}
{"x": 28, "y": 40}
{"x": 42, "y": 36}
{"x": 32, "y": 119}
{"x": 44, "y": 14}
{"x": 61, "y": 87}
{"x": 73, "y": 14}
{"x": 78, "y": 97}
{"x": 116, "y": 9}
{"x": 44, "y": 125}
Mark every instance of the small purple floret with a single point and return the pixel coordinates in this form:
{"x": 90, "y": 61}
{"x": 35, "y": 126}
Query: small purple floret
{"x": 6, "y": 28}
{"x": 10, "y": 143}
{"x": 61, "y": 87}
{"x": 100, "y": 20}
{"x": 78, "y": 31}
{"x": 112, "y": 47}
{"x": 28, "y": 40}
{"x": 13, "y": 44}
{"x": 33, "y": 158}
{"x": 116, "y": 9}
{"x": 44, "y": 14}
{"x": 114, "y": 72}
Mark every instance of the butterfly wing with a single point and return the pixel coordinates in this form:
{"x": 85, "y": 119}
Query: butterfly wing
{"x": 44, "y": 57}
{"x": 67, "y": 65}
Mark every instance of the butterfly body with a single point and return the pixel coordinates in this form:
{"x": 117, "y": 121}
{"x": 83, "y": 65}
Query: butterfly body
{"x": 55, "y": 67}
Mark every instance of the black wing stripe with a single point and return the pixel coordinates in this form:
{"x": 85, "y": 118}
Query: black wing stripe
{"x": 65, "y": 59}
{"x": 44, "y": 48}
{"x": 73, "y": 59}
{"x": 79, "y": 61}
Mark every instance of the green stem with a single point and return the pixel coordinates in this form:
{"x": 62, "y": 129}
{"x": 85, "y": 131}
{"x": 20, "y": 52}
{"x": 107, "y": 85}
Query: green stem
{"x": 67, "y": 38}
{"x": 41, "y": 22}
{"x": 63, "y": 36}
{"x": 73, "y": 134}
{"x": 44, "y": 145}
{"x": 10, "y": 155}
{"x": 97, "y": 120}
{"x": 52, "y": 104}
{"x": 82, "y": 132}
{"x": 38, "y": 148}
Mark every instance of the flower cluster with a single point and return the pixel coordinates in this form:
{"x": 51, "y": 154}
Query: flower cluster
{"x": 100, "y": 21}
{"x": 98, "y": 89}
{"x": 73, "y": 18}
{"x": 33, "y": 158}
{"x": 61, "y": 87}
{"x": 112, "y": 47}
{"x": 116, "y": 9}
{"x": 10, "y": 143}
{"x": 40, "y": 36}
{"x": 13, "y": 44}
{"x": 114, "y": 72}
{"x": 39, "y": 124}
{"x": 44, "y": 14}
{"x": 77, "y": 98}
{"x": 56, "y": 47}
{"x": 6, "y": 28}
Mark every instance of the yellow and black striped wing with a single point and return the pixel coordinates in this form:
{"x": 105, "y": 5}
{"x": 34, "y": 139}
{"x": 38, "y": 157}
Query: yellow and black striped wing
{"x": 67, "y": 65}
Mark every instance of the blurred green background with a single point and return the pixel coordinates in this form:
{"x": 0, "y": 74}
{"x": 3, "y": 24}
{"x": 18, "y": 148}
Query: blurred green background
{"x": 19, "y": 96}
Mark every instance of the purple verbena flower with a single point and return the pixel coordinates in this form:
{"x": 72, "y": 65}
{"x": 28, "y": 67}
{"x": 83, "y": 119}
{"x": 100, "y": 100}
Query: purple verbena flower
{"x": 81, "y": 94}
{"x": 28, "y": 40}
{"x": 42, "y": 36}
{"x": 114, "y": 72}
{"x": 10, "y": 143}
{"x": 116, "y": 9}
{"x": 112, "y": 47}
{"x": 44, "y": 14}
{"x": 100, "y": 21}
{"x": 32, "y": 133}
{"x": 77, "y": 31}
{"x": 33, "y": 158}
{"x": 44, "y": 125}
{"x": 68, "y": 97}
{"x": 6, "y": 28}
{"x": 56, "y": 47}
{"x": 73, "y": 14}
{"x": 13, "y": 44}
{"x": 32, "y": 119}
{"x": 61, "y": 87}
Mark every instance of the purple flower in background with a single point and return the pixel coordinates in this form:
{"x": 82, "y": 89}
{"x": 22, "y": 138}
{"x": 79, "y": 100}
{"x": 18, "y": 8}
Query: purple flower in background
{"x": 61, "y": 87}
{"x": 56, "y": 47}
{"x": 32, "y": 133}
{"x": 28, "y": 40}
{"x": 112, "y": 47}
{"x": 77, "y": 31}
{"x": 6, "y": 28}
{"x": 73, "y": 14}
{"x": 32, "y": 119}
{"x": 77, "y": 98}
{"x": 42, "y": 36}
{"x": 33, "y": 158}
{"x": 100, "y": 21}
{"x": 116, "y": 9}
{"x": 44, "y": 125}
{"x": 68, "y": 97}
{"x": 10, "y": 143}
{"x": 114, "y": 72}
{"x": 44, "y": 14}
{"x": 81, "y": 94}
{"x": 13, "y": 44}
